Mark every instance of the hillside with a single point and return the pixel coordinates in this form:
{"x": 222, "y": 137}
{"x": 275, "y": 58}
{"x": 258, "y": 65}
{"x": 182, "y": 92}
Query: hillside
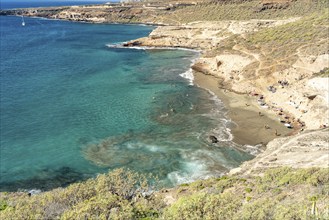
{"x": 176, "y": 12}
{"x": 283, "y": 61}
{"x": 271, "y": 43}
{"x": 273, "y": 56}
{"x": 279, "y": 193}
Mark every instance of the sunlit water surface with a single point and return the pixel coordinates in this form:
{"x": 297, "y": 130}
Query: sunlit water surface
{"x": 72, "y": 107}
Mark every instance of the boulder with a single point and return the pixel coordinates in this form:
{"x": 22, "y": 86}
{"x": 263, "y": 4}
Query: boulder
{"x": 213, "y": 139}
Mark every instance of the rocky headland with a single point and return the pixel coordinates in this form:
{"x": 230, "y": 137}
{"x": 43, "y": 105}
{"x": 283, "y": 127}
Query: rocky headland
{"x": 286, "y": 80}
{"x": 287, "y": 86}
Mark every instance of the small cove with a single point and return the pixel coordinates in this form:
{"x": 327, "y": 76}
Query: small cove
{"x": 71, "y": 107}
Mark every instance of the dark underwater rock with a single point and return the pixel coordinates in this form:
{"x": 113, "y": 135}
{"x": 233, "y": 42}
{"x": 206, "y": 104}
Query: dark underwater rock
{"x": 213, "y": 139}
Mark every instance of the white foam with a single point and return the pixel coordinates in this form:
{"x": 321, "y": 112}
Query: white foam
{"x": 192, "y": 169}
{"x": 34, "y": 191}
{"x": 200, "y": 164}
{"x": 253, "y": 150}
{"x": 148, "y": 147}
{"x": 188, "y": 75}
{"x": 131, "y": 146}
{"x": 203, "y": 164}
{"x": 152, "y": 148}
{"x": 215, "y": 98}
{"x": 120, "y": 46}
{"x": 180, "y": 177}
{"x": 164, "y": 115}
{"x": 177, "y": 178}
{"x": 223, "y": 134}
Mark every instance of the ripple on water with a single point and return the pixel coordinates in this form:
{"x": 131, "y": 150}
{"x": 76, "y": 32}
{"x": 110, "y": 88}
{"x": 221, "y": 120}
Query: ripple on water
{"x": 177, "y": 149}
{"x": 72, "y": 102}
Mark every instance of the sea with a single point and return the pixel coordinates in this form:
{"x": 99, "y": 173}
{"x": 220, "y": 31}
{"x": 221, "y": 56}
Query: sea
{"x": 73, "y": 106}
{"x": 12, "y": 4}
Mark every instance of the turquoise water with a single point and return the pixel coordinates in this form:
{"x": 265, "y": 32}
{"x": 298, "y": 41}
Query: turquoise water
{"x": 9, "y": 4}
{"x": 71, "y": 107}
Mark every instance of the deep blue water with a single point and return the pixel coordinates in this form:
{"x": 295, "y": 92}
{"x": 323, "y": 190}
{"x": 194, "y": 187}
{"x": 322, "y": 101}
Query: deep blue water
{"x": 71, "y": 107}
{"x": 31, "y": 4}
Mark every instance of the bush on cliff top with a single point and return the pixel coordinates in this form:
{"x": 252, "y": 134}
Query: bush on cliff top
{"x": 280, "y": 193}
{"x": 244, "y": 10}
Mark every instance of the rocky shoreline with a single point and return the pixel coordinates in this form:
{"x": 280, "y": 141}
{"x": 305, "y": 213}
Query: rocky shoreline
{"x": 293, "y": 98}
{"x": 230, "y": 70}
{"x": 282, "y": 85}
{"x": 273, "y": 77}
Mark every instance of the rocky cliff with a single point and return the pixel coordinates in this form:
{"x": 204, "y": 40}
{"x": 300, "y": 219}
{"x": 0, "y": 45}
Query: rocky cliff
{"x": 282, "y": 74}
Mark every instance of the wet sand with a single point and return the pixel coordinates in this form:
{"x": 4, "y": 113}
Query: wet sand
{"x": 253, "y": 124}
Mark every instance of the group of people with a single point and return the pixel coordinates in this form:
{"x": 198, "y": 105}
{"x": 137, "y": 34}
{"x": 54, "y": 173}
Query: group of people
{"x": 285, "y": 119}
{"x": 283, "y": 83}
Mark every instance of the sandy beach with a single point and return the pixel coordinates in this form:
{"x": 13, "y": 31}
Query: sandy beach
{"x": 276, "y": 103}
{"x": 253, "y": 125}
{"x": 267, "y": 62}
{"x": 243, "y": 54}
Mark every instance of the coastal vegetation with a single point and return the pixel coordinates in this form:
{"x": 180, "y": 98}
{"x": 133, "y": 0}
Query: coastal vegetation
{"x": 281, "y": 46}
{"x": 276, "y": 193}
{"x": 244, "y": 10}
{"x": 177, "y": 13}
{"x": 311, "y": 27}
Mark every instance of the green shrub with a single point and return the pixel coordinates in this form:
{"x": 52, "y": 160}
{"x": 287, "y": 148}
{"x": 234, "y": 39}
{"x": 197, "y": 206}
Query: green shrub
{"x": 290, "y": 211}
{"x": 204, "y": 206}
{"x": 259, "y": 209}
{"x": 226, "y": 183}
{"x": 285, "y": 193}
{"x": 248, "y": 190}
{"x": 100, "y": 207}
{"x": 3, "y": 205}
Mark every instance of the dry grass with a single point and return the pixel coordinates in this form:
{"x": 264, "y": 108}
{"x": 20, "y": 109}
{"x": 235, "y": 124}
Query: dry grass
{"x": 281, "y": 46}
{"x": 244, "y": 10}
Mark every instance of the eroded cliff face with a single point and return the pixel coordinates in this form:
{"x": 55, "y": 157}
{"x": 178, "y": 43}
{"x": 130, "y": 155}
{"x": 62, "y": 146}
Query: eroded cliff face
{"x": 281, "y": 74}
{"x": 305, "y": 150}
